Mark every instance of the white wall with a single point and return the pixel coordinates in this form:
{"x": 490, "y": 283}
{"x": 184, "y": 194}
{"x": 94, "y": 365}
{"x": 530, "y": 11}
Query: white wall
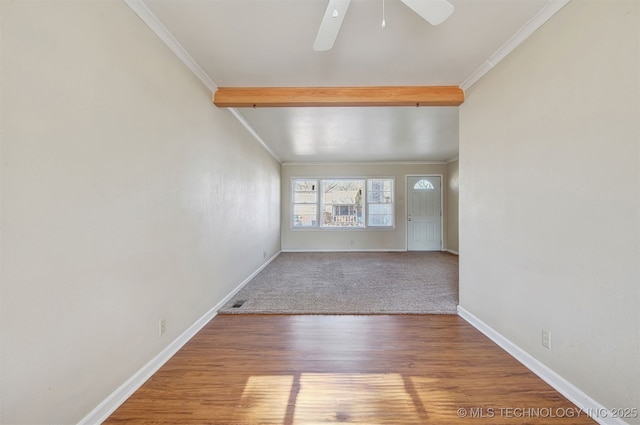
{"x": 453, "y": 195}
{"x": 550, "y": 198}
{"x": 356, "y": 240}
{"x": 126, "y": 197}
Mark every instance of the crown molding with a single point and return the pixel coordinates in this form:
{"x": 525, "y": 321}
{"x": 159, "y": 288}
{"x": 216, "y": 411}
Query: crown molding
{"x": 551, "y": 8}
{"x": 169, "y": 40}
{"x": 165, "y": 35}
{"x": 255, "y": 135}
{"x": 321, "y": 163}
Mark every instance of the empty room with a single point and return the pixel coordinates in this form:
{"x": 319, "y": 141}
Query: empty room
{"x": 319, "y": 211}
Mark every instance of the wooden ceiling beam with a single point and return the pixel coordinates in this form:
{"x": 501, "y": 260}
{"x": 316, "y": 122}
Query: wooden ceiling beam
{"x": 258, "y": 97}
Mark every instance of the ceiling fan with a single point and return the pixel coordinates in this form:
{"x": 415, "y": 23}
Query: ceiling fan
{"x": 433, "y": 11}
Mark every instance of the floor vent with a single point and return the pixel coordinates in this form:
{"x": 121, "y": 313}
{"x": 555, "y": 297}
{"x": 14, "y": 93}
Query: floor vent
{"x": 238, "y": 303}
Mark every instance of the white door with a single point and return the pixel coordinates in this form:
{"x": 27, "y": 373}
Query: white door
{"x": 424, "y": 230}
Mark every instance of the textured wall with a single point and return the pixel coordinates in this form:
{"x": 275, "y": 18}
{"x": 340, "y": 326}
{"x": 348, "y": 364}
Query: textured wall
{"x": 126, "y": 197}
{"x": 550, "y": 198}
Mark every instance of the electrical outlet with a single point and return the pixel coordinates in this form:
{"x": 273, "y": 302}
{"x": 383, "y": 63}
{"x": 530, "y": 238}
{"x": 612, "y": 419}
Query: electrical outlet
{"x": 264, "y": 254}
{"x": 162, "y": 326}
{"x": 546, "y": 339}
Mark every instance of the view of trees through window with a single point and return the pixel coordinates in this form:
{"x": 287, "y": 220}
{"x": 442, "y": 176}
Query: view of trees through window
{"x": 342, "y": 203}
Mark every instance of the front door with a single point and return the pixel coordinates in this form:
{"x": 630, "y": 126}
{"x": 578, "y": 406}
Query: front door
{"x": 424, "y": 216}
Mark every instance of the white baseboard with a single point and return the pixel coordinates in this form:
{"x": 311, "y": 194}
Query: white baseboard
{"x": 122, "y": 393}
{"x": 588, "y": 405}
{"x": 451, "y": 251}
{"x": 103, "y": 410}
{"x": 344, "y": 250}
{"x": 244, "y": 282}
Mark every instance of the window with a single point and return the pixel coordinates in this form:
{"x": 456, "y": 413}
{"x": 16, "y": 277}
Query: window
{"x": 305, "y": 202}
{"x": 338, "y": 203}
{"x": 380, "y": 201}
{"x": 423, "y": 185}
{"x": 342, "y": 203}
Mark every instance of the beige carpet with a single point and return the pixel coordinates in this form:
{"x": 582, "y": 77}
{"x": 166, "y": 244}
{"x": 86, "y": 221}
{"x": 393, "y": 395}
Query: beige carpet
{"x": 352, "y": 283}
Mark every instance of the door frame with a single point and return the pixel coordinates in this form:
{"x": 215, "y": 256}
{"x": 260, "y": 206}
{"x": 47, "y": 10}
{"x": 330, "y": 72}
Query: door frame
{"x": 406, "y": 206}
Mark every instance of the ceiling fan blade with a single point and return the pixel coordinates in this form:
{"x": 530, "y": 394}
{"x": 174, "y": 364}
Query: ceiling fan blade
{"x": 433, "y": 11}
{"x": 330, "y": 25}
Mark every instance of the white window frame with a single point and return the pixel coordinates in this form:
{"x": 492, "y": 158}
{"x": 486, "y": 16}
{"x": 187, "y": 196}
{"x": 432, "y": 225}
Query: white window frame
{"x": 371, "y": 201}
{"x": 357, "y": 223}
{"x": 319, "y": 205}
{"x": 293, "y": 214}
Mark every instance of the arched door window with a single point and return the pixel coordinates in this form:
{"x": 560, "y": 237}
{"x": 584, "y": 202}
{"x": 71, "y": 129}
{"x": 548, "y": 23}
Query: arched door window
{"x": 423, "y": 185}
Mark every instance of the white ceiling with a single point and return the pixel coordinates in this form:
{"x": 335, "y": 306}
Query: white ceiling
{"x": 350, "y": 134}
{"x": 268, "y": 43}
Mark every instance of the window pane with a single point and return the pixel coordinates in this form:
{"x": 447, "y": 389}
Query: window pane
{"x": 380, "y": 220}
{"x": 304, "y": 215}
{"x": 304, "y": 197}
{"x": 342, "y": 203}
{"x": 304, "y": 191}
{"x": 380, "y": 209}
{"x": 380, "y": 191}
{"x": 380, "y": 215}
{"x": 380, "y": 202}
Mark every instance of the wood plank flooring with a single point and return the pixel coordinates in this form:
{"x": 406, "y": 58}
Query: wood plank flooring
{"x": 404, "y": 369}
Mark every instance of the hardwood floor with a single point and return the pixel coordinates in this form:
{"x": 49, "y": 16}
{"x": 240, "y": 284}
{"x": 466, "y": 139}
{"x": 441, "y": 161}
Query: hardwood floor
{"x": 405, "y": 369}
